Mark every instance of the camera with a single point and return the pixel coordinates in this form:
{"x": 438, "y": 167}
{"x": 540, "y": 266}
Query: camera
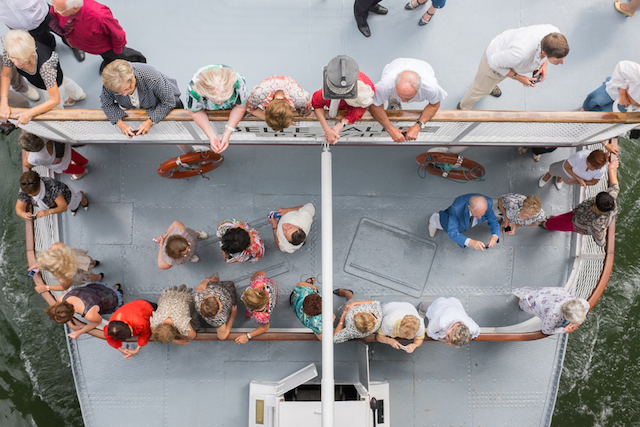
{"x": 7, "y": 128}
{"x": 538, "y": 77}
{"x": 508, "y": 228}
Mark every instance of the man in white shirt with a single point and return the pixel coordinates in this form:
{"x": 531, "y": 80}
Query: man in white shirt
{"x": 513, "y": 53}
{"x": 291, "y": 229}
{"x": 449, "y": 322}
{"x": 407, "y": 80}
{"x": 623, "y": 86}
{"x": 32, "y": 16}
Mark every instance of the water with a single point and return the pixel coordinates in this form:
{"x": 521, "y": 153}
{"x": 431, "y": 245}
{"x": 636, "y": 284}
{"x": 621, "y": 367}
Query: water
{"x": 599, "y": 381}
{"x": 36, "y": 385}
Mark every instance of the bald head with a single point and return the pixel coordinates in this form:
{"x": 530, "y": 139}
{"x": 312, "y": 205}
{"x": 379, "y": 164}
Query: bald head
{"x": 407, "y": 85}
{"x": 478, "y": 206}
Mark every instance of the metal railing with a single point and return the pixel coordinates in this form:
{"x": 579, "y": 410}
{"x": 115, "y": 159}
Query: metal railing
{"x": 476, "y": 129}
{"x": 447, "y": 127}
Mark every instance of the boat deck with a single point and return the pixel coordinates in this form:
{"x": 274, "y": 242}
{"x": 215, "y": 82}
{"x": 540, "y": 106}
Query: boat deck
{"x": 379, "y": 197}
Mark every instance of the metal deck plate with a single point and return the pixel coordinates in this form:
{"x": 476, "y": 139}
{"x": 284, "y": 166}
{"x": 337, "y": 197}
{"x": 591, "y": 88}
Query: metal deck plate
{"x": 379, "y": 253}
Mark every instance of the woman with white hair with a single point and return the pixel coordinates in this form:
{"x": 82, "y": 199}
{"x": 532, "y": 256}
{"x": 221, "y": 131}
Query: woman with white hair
{"x": 41, "y": 67}
{"x": 135, "y": 85}
{"x": 401, "y": 320}
{"x": 355, "y": 108}
{"x": 559, "y": 311}
{"x": 217, "y": 87}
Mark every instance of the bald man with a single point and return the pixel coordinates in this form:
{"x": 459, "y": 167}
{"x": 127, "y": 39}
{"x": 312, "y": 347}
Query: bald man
{"x": 466, "y": 211}
{"x": 407, "y": 80}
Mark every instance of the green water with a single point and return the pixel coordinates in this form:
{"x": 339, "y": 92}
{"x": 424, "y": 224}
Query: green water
{"x": 599, "y": 381}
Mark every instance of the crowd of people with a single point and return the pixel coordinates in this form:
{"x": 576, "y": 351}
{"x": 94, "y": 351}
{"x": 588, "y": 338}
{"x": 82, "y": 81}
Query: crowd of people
{"x": 129, "y": 83}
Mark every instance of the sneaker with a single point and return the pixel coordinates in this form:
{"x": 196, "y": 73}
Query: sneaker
{"x": 558, "y": 184}
{"x": 542, "y": 182}
{"x": 432, "y": 231}
{"x": 496, "y": 92}
{"x": 536, "y": 157}
{"x": 76, "y": 177}
{"x": 522, "y": 150}
{"x": 32, "y": 94}
{"x": 202, "y": 234}
{"x": 66, "y": 102}
{"x": 195, "y": 258}
{"x": 422, "y": 309}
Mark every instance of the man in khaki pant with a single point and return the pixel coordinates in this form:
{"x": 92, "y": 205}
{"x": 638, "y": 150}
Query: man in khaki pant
{"x": 513, "y": 53}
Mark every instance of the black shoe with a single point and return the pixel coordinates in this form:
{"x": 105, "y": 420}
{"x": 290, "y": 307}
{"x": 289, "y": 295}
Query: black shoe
{"x": 78, "y": 54}
{"x": 458, "y": 107}
{"x": 364, "y": 29}
{"x": 97, "y": 263}
{"x": 379, "y": 10}
{"x": 496, "y": 92}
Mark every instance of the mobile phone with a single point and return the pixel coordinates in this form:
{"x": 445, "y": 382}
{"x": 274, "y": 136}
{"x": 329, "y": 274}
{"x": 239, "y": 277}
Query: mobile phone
{"x": 508, "y": 228}
{"x": 274, "y": 214}
{"x": 33, "y": 272}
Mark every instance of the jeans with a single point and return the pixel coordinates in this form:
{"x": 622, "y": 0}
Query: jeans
{"x": 599, "y": 99}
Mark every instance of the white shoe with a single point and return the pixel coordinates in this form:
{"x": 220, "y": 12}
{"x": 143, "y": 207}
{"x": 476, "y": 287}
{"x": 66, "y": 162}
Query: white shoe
{"x": 536, "y": 157}
{"x": 202, "y": 234}
{"x": 66, "y": 102}
{"x": 522, "y": 150}
{"x": 558, "y": 184}
{"x": 32, "y": 94}
{"x": 76, "y": 177}
{"x": 195, "y": 258}
{"x": 432, "y": 231}
{"x": 542, "y": 182}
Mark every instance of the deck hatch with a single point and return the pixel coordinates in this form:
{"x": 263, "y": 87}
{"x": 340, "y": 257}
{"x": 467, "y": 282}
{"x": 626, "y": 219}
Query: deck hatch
{"x": 380, "y": 253}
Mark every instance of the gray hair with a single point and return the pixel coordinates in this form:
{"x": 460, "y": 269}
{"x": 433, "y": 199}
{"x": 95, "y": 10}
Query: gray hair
{"x": 364, "y": 98}
{"x": 574, "y": 311}
{"x": 411, "y": 77}
{"x": 73, "y": 3}
{"x": 460, "y": 336}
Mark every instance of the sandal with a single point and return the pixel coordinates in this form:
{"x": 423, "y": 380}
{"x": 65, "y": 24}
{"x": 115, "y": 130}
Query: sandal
{"x": 422, "y": 22}
{"x": 311, "y": 280}
{"x": 410, "y": 6}
{"x": 616, "y": 4}
{"x": 97, "y": 263}
{"x": 101, "y": 277}
{"x": 340, "y": 292}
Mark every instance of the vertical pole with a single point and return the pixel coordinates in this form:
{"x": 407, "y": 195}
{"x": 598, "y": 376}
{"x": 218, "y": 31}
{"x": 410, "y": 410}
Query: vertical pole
{"x": 327, "y": 384}
{"x": 333, "y": 108}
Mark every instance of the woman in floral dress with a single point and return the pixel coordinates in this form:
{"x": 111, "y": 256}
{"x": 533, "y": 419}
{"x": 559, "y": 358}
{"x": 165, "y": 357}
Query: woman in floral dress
{"x": 260, "y": 300}
{"x": 239, "y": 242}
{"x": 559, "y": 311}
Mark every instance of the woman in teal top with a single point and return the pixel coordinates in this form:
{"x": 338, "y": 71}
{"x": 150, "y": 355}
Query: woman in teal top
{"x": 217, "y": 87}
{"x": 306, "y": 302}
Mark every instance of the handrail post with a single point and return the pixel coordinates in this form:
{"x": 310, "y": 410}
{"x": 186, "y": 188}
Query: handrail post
{"x": 327, "y": 383}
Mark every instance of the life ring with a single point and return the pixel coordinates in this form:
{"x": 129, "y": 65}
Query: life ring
{"x": 190, "y": 164}
{"x": 451, "y": 166}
